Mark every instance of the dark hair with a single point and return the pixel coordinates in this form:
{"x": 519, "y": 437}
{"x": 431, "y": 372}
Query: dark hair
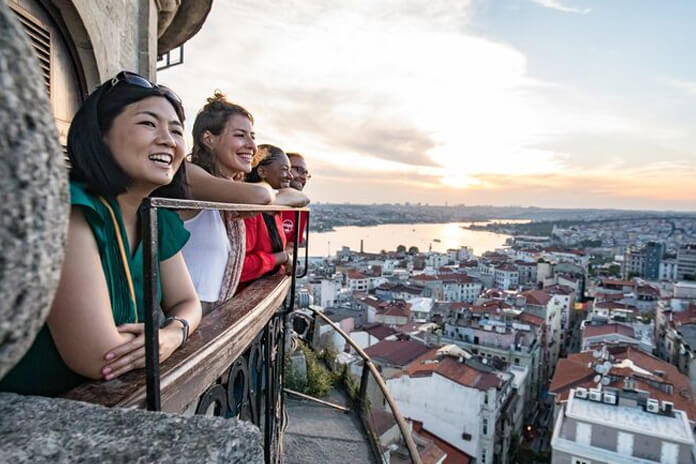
{"x": 213, "y": 117}
{"x": 265, "y": 155}
{"x": 91, "y": 160}
{"x": 294, "y": 154}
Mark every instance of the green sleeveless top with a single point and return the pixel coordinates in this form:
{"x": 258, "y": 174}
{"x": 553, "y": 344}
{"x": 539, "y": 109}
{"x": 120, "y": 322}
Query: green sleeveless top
{"x": 42, "y": 371}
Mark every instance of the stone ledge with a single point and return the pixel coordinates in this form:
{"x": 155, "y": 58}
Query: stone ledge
{"x": 47, "y": 430}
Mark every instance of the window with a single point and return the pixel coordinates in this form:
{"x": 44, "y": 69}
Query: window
{"x": 56, "y": 59}
{"x": 483, "y": 456}
{"x": 485, "y": 398}
{"x": 580, "y": 461}
{"x": 517, "y": 361}
{"x": 485, "y": 426}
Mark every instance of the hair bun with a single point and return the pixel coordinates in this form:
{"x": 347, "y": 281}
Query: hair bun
{"x": 218, "y": 97}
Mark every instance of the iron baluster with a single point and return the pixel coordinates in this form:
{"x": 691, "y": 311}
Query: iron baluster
{"x": 150, "y": 270}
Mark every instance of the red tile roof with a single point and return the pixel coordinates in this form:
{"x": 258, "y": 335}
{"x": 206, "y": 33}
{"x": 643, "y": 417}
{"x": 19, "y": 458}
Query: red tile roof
{"x": 356, "y": 275}
{"x": 606, "y": 329}
{"x": 559, "y": 290}
{"x": 454, "y": 456}
{"x": 398, "y": 309}
{"x": 576, "y": 371}
{"x": 396, "y": 352}
{"x": 450, "y": 368}
{"x": 618, "y": 283}
{"x": 530, "y": 318}
{"x": 379, "y": 331}
{"x": 537, "y": 297}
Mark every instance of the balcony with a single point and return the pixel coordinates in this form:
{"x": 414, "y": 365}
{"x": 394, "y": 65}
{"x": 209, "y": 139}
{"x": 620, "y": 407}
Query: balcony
{"x": 232, "y": 366}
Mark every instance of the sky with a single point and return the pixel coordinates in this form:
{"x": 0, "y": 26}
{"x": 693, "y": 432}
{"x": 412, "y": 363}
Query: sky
{"x": 552, "y": 103}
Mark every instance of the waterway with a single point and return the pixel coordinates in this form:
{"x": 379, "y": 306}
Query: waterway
{"x": 438, "y": 237}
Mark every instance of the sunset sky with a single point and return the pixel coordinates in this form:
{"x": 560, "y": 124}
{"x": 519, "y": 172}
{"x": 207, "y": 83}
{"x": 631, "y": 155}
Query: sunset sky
{"x": 559, "y": 103}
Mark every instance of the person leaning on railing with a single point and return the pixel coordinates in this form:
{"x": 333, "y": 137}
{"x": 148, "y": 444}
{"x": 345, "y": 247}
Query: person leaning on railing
{"x": 223, "y": 148}
{"x": 265, "y": 239}
{"x": 125, "y": 143}
{"x": 300, "y": 176}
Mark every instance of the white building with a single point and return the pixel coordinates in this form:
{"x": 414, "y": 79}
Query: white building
{"x": 357, "y": 281}
{"x": 466, "y": 406}
{"x": 506, "y": 277}
{"x": 668, "y": 270}
{"x": 603, "y": 427}
{"x": 421, "y": 308}
{"x": 329, "y": 292}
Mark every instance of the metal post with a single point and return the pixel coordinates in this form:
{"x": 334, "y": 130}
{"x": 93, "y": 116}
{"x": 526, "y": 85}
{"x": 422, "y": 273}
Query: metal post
{"x": 306, "y": 245}
{"x": 362, "y": 395}
{"x": 148, "y": 215}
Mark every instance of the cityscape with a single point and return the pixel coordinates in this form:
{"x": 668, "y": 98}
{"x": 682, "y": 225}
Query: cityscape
{"x": 492, "y": 357}
{"x": 369, "y": 231}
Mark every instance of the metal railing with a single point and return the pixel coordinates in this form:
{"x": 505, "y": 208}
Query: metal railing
{"x": 260, "y": 368}
{"x": 366, "y": 411}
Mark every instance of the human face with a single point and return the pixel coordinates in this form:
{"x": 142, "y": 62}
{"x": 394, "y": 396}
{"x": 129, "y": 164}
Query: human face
{"x": 277, "y": 174}
{"x": 299, "y": 172}
{"x": 235, "y": 147}
{"x": 147, "y": 141}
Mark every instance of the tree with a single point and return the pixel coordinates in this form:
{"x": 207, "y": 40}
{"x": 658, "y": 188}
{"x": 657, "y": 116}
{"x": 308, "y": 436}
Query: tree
{"x": 401, "y": 249}
{"x": 413, "y": 250}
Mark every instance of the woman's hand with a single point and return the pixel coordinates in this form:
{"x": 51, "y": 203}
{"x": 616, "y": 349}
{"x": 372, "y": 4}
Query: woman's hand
{"x": 131, "y": 355}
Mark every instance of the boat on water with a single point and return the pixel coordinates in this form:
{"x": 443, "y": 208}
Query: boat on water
{"x": 437, "y": 240}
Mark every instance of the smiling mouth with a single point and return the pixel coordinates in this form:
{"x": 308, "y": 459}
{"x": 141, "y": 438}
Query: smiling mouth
{"x": 164, "y": 159}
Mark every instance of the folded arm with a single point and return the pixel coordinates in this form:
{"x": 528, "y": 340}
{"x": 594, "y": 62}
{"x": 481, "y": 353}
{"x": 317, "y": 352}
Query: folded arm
{"x": 81, "y": 321}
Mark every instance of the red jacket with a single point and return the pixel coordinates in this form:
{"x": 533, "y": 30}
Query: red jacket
{"x": 258, "y": 259}
{"x": 289, "y": 225}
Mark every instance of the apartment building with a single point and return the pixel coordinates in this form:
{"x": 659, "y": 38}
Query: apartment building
{"x": 607, "y": 426}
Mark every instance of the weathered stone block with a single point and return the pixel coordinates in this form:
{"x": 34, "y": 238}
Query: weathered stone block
{"x": 34, "y": 191}
{"x": 43, "y": 430}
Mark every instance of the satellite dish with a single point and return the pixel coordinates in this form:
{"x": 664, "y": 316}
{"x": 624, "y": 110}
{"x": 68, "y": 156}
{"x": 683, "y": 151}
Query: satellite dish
{"x": 595, "y": 354}
{"x": 606, "y": 381}
{"x": 606, "y": 366}
{"x": 597, "y": 378}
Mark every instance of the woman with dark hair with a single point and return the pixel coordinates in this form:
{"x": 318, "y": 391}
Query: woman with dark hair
{"x": 125, "y": 143}
{"x": 265, "y": 239}
{"x": 223, "y": 148}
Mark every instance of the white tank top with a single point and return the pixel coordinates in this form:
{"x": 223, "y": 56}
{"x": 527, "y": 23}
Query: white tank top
{"x": 206, "y": 253}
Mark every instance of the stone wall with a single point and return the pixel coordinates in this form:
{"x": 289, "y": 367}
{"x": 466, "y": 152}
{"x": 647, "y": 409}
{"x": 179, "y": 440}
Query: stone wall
{"x": 112, "y": 35}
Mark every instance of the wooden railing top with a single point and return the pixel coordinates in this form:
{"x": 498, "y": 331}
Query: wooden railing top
{"x": 221, "y": 337}
{"x": 173, "y": 203}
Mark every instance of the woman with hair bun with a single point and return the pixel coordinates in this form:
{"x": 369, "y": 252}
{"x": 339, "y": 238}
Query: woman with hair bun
{"x": 125, "y": 143}
{"x": 223, "y": 150}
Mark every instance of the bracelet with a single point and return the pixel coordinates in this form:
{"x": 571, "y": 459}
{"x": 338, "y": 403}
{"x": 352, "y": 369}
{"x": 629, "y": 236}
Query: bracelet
{"x": 184, "y": 329}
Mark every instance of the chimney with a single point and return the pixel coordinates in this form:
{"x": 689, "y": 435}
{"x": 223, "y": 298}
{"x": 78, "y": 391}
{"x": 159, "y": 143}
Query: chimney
{"x": 361, "y": 246}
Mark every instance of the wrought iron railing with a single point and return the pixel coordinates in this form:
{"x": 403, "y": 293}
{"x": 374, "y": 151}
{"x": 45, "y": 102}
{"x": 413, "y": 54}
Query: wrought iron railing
{"x": 374, "y": 405}
{"x": 232, "y": 366}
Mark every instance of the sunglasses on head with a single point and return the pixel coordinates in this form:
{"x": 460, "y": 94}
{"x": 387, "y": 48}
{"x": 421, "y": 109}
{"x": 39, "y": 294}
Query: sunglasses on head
{"x": 139, "y": 81}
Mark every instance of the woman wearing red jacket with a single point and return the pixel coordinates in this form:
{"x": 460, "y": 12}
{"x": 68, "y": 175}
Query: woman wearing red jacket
{"x": 265, "y": 239}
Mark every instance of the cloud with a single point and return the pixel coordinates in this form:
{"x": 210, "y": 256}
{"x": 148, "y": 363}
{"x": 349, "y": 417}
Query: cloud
{"x": 688, "y": 87}
{"x": 557, "y": 5}
{"x": 391, "y": 99}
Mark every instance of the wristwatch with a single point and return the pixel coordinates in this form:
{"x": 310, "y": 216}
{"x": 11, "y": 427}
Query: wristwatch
{"x": 184, "y": 329}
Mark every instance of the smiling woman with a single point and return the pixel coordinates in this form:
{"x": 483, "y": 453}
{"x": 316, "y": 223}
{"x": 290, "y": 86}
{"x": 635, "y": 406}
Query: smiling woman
{"x": 125, "y": 143}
